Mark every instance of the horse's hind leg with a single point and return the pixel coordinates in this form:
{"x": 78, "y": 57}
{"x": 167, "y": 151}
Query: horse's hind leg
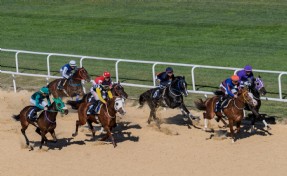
{"x": 155, "y": 118}
{"x": 26, "y": 138}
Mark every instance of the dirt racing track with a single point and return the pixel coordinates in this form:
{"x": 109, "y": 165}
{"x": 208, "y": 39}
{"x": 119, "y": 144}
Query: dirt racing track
{"x": 142, "y": 149}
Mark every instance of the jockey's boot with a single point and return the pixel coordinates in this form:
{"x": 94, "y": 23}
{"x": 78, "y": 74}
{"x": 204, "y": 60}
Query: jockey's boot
{"x": 62, "y": 84}
{"x": 218, "y": 104}
{"x": 32, "y": 115}
{"x": 91, "y": 109}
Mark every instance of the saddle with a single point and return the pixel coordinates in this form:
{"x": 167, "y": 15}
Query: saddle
{"x": 94, "y": 108}
{"x": 32, "y": 114}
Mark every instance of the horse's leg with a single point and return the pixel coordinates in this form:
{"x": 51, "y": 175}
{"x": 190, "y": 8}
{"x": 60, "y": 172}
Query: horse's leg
{"x": 205, "y": 122}
{"x": 91, "y": 127}
{"x": 223, "y": 121}
{"x": 38, "y": 131}
{"x": 43, "y": 134}
{"x": 109, "y": 134}
{"x": 238, "y": 124}
{"x": 52, "y": 132}
{"x": 155, "y": 118}
{"x": 77, "y": 127}
{"x": 26, "y": 138}
{"x": 231, "y": 131}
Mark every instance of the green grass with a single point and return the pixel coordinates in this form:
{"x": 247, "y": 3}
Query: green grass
{"x": 206, "y": 32}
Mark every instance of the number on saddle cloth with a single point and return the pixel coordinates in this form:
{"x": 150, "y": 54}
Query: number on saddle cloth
{"x": 32, "y": 114}
{"x": 94, "y": 108}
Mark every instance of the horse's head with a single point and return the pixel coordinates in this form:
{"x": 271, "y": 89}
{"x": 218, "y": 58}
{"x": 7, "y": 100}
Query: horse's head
{"x": 60, "y": 106}
{"x": 82, "y": 74}
{"x": 247, "y": 97}
{"x": 119, "y": 104}
{"x": 180, "y": 85}
{"x": 118, "y": 90}
{"x": 259, "y": 85}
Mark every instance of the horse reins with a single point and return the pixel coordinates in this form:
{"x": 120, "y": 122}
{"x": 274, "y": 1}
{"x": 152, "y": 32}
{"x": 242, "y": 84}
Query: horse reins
{"x": 243, "y": 102}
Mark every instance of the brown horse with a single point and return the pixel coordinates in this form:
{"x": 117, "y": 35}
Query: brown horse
{"x": 73, "y": 87}
{"x": 45, "y": 123}
{"x": 233, "y": 111}
{"x": 106, "y": 117}
{"x": 117, "y": 90}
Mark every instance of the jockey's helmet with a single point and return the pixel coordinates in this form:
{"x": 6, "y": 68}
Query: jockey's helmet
{"x": 72, "y": 63}
{"x": 248, "y": 68}
{"x": 44, "y": 90}
{"x": 169, "y": 70}
{"x": 99, "y": 80}
{"x": 107, "y": 74}
{"x": 234, "y": 78}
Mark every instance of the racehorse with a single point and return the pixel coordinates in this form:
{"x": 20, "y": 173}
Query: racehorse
{"x": 233, "y": 111}
{"x": 45, "y": 123}
{"x": 106, "y": 117}
{"x": 257, "y": 89}
{"x": 171, "y": 97}
{"x": 117, "y": 90}
{"x": 73, "y": 86}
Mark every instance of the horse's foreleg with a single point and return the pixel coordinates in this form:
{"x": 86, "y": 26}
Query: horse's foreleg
{"x": 91, "y": 127}
{"x": 38, "y": 131}
{"x": 52, "y": 132}
{"x": 231, "y": 131}
{"x": 43, "y": 134}
{"x": 77, "y": 127}
{"x": 238, "y": 124}
{"x": 109, "y": 134}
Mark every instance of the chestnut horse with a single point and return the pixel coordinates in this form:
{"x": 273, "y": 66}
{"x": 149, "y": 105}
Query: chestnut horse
{"x": 117, "y": 90}
{"x": 45, "y": 123}
{"x": 233, "y": 111}
{"x": 106, "y": 117}
{"x": 73, "y": 86}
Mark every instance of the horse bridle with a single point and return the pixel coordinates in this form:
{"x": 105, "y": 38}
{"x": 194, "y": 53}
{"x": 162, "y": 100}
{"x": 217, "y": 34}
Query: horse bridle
{"x": 244, "y": 101}
{"x": 180, "y": 92}
{"x": 81, "y": 75}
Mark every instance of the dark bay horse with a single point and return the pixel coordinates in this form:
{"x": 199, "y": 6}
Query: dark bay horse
{"x": 257, "y": 89}
{"x": 73, "y": 86}
{"x": 172, "y": 98}
{"x": 233, "y": 111}
{"x": 106, "y": 117}
{"x": 45, "y": 123}
{"x": 117, "y": 90}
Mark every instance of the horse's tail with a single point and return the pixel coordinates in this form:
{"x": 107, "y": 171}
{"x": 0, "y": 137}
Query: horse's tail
{"x": 16, "y": 117}
{"x": 74, "y": 104}
{"x": 142, "y": 99}
{"x": 200, "y": 104}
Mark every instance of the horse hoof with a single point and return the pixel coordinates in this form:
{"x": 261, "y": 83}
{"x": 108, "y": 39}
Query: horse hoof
{"x": 30, "y": 148}
{"x": 75, "y": 134}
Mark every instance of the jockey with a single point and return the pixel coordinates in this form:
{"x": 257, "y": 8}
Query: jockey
{"x": 66, "y": 72}
{"x": 245, "y": 76}
{"x": 101, "y": 91}
{"x": 164, "y": 79}
{"x": 37, "y": 99}
{"x": 230, "y": 88}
